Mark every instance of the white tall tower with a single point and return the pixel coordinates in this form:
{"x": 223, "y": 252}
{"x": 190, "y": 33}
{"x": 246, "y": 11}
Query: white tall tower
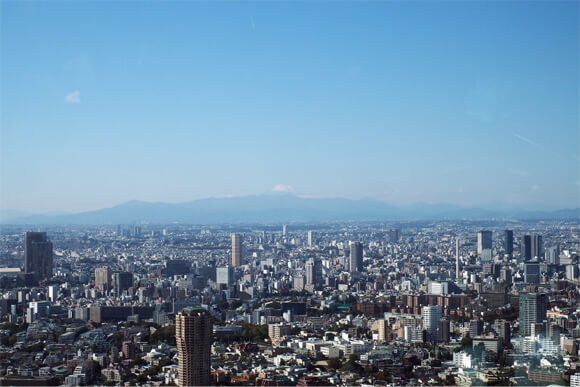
{"x": 457, "y": 258}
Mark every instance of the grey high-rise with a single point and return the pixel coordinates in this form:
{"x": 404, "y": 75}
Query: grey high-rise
{"x": 509, "y": 242}
{"x": 314, "y": 272}
{"x": 537, "y": 246}
{"x": 533, "y": 308}
{"x": 526, "y": 247}
{"x": 37, "y": 255}
{"x": 483, "y": 241}
{"x": 356, "y": 257}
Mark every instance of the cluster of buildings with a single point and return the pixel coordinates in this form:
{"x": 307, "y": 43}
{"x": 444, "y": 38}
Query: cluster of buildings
{"x": 301, "y": 304}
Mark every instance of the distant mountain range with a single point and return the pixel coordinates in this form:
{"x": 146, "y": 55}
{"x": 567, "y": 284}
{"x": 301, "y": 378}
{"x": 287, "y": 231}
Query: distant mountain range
{"x": 276, "y": 208}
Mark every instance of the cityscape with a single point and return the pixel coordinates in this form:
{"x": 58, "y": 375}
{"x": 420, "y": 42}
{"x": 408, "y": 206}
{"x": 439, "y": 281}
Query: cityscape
{"x": 289, "y": 193}
{"x": 344, "y": 303}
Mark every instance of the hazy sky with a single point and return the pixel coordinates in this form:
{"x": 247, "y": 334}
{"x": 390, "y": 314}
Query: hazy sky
{"x": 459, "y": 102}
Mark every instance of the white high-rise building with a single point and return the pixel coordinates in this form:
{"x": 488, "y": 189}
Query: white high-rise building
{"x": 310, "y": 239}
{"x": 457, "y": 258}
{"x": 431, "y": 316}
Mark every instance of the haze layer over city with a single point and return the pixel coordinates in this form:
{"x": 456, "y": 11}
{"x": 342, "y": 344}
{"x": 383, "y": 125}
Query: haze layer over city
{"x": 289, "y": 193}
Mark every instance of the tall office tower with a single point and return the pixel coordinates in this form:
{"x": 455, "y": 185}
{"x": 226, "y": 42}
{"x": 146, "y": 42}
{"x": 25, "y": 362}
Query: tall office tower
{"x": 505, "y": 275}
{"x": 457, "y": 253}
{"x": 532, "y": 272}
{"x": 314, "y": 272}
{"x": 526, "y": 247}
{"x": 483, "y": 241}
{"x": 356, "y": 257}
{"x": 103, "y": 278}
{"x": 431, "y": 316}
{"x": 236, "y": 250}
{"x": 533, "y": 308}
{"x": 53, "y": 293}
{"x": 122, "y": 281}
{"x": 475, "y": 328}
{"x": 443, "y": 330}
{"x": 284, "y": 230}
{"x": 226, "y": 275}
{"x": 537, "y": 246}
{"x": 37, "y": 255}
{"x": 553, "y": 255}
{"x": 503, "y": 330}
{"x": 193, "y": 333}
{"x": 394, "y": 235}
{"x": 509, "y": 242}
{"x": 310, "y": 238}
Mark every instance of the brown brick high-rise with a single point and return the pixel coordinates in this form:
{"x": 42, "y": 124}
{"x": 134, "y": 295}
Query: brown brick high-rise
{"x": 193, "y": 332}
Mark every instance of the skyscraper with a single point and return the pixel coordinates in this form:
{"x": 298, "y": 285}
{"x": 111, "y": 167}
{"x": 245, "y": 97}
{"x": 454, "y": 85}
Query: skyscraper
{"x": 122, "y": 281}
{"x": 193, "y": 333}
{"x": 313, "y": 272}
{"x": 509, "y": 242}
{"x": 431, "y": 316}
{"x": 284, "y": 230}
{"x": 526, "y": 247}
{"x": 553, "y": 255}
{"x": 225, "y": 275}
{"x": 457, "y": 258}
{"x": 356, "y": 257}
{"x": 533, "y": 308}
{"x": 103, "y": 278}
{"x": 236, "y": 250}
{"x": 394, "y": 234}
{"x": 310, "y": 238}
{"x": 537, "y": 246}
{"x": 37, "y": 255}
{"x": 532, "y": 272}
{"x": 483, "y": 241}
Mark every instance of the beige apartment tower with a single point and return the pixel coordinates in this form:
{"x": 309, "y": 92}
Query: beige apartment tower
{"x": 236, "y": 250}
{"x": 193, "y": 333}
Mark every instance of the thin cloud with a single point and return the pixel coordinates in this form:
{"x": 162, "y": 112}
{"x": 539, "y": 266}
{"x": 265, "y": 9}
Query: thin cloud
{"x": 283, "y": 188}
{"x": 252, "y": 23}
{"x": 74, "y": 97}
{"x": 524, "y": 139}
{"x": 519, "y": 172}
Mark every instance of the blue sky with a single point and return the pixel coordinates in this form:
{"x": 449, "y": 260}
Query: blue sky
{"x": 471, "y": 103}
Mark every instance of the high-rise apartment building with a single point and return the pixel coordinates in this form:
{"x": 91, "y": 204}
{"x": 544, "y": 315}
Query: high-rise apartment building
{"x": 310, "y": 238}
{"x": 508, "y": 242}
{"x": 533, "y": 308}
{"x": 431, "y": 316}
{"x": 37, "y": 255}
{"x": 193, "y": 333}
{"x": 457, "y": 254}
{"x": 356, "y": 257}
{"x": 313, "y": 272}
{"x": 103, "y": 278}
{"x": 236, "y": 250}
